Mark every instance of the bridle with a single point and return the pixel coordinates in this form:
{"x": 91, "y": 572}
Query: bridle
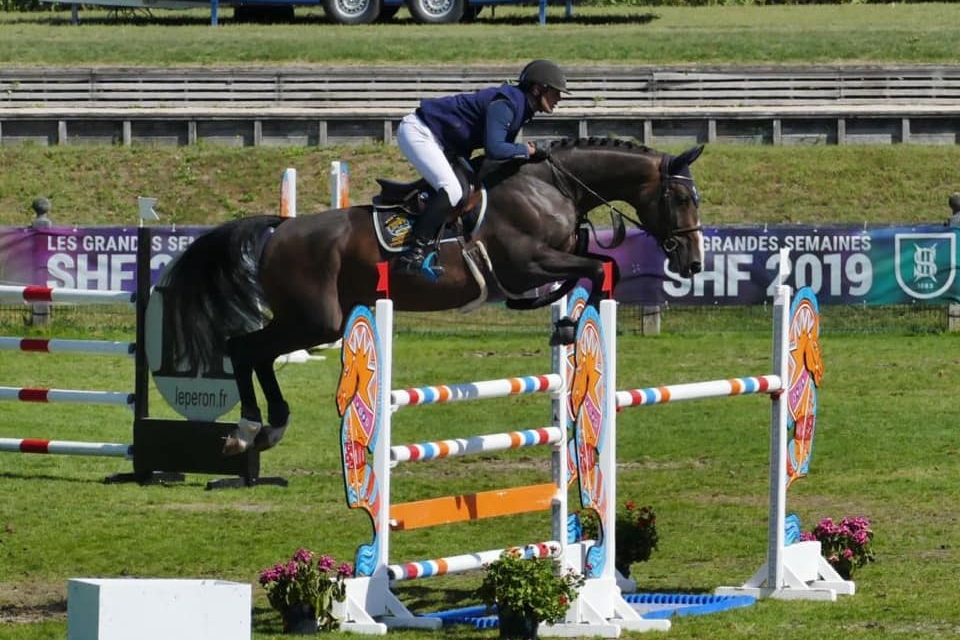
{"x": 667, "y": 242}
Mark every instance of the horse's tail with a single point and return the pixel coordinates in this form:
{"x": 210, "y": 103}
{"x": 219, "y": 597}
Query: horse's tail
{"x": 211, "y": 291}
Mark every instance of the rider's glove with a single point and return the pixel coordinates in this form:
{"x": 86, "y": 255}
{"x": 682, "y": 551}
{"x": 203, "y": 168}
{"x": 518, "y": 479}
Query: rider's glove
{"x": 539, "y": 154}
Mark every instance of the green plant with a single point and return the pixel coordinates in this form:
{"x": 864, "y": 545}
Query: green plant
{"x": 305, "y": 582}
{"x": 846, "y": 545}
{"x": 533, "y": 587}
{"x": 636, "y": 533}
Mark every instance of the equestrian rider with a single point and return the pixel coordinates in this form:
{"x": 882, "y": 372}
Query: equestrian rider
{"x": 450, "y": 127}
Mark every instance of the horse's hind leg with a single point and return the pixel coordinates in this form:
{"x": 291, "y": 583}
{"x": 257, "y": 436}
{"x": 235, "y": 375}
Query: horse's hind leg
{"x": 278, "y": 411}
{"x": 251, "y": 419}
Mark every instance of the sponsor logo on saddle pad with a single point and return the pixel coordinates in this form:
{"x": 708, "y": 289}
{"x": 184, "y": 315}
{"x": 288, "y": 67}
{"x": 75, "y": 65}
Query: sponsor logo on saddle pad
{"x": 925, "y": 263}
{"x": 195, "y": 395}
{"x": 393, "y": 227}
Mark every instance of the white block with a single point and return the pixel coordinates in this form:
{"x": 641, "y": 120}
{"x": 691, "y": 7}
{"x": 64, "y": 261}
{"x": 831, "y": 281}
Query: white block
{"x": 155, "y": 609}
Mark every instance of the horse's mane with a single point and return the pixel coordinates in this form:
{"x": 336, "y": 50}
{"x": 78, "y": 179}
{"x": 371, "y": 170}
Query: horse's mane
{"x": 492, "y": 173}
{"x": 597, "y": 142}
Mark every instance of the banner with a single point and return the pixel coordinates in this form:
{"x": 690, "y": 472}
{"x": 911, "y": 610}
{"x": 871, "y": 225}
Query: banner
{"x": 842, "y": 265}
{"x": 93, "y": 258}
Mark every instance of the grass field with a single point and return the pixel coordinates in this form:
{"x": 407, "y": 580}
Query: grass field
{"x": 875, "y": 185}
{"x": 886, "y": 446}
{"x": 626, "y": 35}
{"x": 885, "y": 449}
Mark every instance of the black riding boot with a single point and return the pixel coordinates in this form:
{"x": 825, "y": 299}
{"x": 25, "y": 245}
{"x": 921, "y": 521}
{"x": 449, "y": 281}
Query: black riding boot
{"x": 418, "y": 258}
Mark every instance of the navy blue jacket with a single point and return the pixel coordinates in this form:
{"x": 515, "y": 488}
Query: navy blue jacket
{"x": 461, "y": 124}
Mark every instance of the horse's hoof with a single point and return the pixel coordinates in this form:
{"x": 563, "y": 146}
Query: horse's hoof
{"x": 233, "y": 446}
{"x": 564, "y": 332}
{"x": 241, "y": 438}
{"x": 268, "y": 438}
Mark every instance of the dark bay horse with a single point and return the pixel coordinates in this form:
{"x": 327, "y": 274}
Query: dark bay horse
{"x": 258, "y": 287}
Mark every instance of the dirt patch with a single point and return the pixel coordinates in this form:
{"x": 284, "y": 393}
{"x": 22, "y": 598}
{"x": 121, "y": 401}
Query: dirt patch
{"x": 32, "y": 602}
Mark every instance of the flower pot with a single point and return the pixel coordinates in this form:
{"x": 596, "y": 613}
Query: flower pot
{"x": 844, "y": 567}
{"x": 300, "y": 619}
{"x": 516, "y": 625}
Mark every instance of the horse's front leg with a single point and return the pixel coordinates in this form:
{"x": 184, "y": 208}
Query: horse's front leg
{"x": 553, "y": 266}
{"x": 251, "y": 421}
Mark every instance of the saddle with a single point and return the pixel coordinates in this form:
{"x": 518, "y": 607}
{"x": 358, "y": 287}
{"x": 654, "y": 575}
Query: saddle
{"x": 399, "y": 203}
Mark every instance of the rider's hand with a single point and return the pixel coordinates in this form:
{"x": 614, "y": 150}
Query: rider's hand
{"x": 536, "y": 153}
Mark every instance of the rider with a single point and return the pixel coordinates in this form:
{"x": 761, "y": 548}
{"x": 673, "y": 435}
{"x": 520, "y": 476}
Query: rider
{"x": 443, "y": 129}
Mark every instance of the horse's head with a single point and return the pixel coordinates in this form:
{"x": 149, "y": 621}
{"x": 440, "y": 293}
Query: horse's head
{"x": 675, "y": 219}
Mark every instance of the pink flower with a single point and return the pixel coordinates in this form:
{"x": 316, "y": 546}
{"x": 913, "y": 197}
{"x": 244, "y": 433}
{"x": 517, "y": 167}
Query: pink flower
{"x": 302, "y": 555}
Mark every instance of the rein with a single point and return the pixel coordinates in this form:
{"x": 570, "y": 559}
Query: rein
{"x": 562, "y": 174}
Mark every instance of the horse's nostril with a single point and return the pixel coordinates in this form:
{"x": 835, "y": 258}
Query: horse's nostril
{"x": 696, "y": 267}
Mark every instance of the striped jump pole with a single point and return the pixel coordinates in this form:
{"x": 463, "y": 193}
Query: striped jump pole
{"x": 67, "y": 396}
{"x": 468, "y": 561}
{"x": 502, "y": 388}
{"x": 476, "y": 444}
{"x": 65, "y": 447}
{"x": 57, "y": 345}
{"x": 10, "y": 294}
{"x": 42, "y": 294}
{"x": 699, "y": 390}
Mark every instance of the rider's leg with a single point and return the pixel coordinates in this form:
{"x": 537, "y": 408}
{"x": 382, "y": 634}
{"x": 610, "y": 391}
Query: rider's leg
{"x": 419, "y": 146}
{"x": 425, "y": 231}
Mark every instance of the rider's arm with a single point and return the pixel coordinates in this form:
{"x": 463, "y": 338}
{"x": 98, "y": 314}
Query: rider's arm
{"x": 495, "y": 142}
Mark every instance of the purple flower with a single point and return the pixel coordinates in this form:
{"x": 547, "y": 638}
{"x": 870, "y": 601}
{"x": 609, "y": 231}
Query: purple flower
{"x": 326, "y": 563}
{"x": 302, "y": 555}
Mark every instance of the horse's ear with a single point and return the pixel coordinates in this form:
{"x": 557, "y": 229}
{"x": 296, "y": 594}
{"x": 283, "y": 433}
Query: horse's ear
{"x": 685, "y": 159}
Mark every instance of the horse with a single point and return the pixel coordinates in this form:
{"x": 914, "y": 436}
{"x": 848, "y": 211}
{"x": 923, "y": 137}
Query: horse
{"x": 254, "y": 288}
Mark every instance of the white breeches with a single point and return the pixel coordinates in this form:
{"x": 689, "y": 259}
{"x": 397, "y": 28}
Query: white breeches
{"x": 420, "y": 147}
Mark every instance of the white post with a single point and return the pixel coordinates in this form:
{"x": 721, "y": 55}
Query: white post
{"x": 288, "y": 209}
{"x": 339, "y": 184}
{"x": 561, "y": 419}
{"x": 381, "y": 449}
{"x": 288, "y": 193}
{"x": 778, "y": 427}
{"x": 797, "y": 572}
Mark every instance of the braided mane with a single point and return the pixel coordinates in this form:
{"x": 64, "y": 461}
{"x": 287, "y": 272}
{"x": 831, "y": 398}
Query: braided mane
{"x": 596, "y": 142}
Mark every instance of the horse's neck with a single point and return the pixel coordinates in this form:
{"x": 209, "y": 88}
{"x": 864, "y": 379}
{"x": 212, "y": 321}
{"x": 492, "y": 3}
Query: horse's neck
{"x": 613, "y": 175}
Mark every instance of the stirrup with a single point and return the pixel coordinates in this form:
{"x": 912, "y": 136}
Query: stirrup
{"x": 429, "y": 270}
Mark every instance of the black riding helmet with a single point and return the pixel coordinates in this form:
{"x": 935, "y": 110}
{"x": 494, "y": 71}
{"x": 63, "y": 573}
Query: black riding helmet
{"x": 544, "y": 73}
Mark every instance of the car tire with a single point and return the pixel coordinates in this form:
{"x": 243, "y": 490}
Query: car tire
{"x": 436, "y": 11}
{"x": 352, "y": 11}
